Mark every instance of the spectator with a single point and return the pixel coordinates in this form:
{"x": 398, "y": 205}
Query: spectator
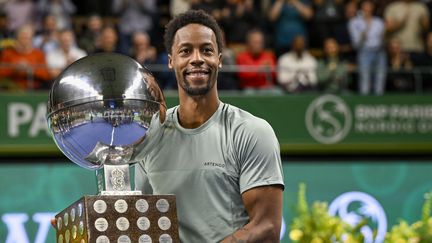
{"x": 407, "y": 20}
{"x": 290, "y": 18}
{"x": 135, "y": 15}
{"x": 243, "y": 14}
{"x": 367, "y": 33}
{"x": 90, "y": 35}
{"x": 108, "y": 40}
{"x": 297, "y": 68}
{"x": 60, "y": 9}
{"x": 332, "y": 70}
{"x": 227, "y": 79}
{"x": 329, "y": 14}
{"x": 25, "y": 65}
{"x": 424, "y": 63}
{"x": 400, "y": 76}
{"x": 47, "y": 38}
{"x": 19, "y": 13}
{"x": 343, "y": 37}
{"x": 258, "y": 64}
{"x": 66, "y": 53}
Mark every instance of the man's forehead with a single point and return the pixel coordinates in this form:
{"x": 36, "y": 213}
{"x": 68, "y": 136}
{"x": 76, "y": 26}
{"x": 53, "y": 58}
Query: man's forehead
{"x": 193, "y": 31}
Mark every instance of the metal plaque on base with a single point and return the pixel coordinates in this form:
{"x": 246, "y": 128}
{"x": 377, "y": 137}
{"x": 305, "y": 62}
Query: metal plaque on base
{"x": 99, "y": 112}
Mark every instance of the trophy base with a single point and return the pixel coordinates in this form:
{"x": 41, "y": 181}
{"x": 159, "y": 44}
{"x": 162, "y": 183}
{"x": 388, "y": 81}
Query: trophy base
{"x": 119, "y": 219}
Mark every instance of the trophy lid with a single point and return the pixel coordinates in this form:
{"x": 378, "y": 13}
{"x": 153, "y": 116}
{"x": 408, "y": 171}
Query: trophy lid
{"x": 100, "y": 107}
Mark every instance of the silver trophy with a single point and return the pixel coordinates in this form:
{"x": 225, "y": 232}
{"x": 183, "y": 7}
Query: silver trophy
{"x": 99, "y": 112}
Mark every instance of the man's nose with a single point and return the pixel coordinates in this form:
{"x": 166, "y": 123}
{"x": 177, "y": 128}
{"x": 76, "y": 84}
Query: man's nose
{"x": 197, "y": 58}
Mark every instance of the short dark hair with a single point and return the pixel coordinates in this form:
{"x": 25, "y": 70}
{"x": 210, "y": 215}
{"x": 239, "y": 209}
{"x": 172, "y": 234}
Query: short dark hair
{"x": 192, "y": 17}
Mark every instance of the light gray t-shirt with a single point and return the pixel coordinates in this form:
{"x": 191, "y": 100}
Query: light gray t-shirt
{"x": 208, "y": 168}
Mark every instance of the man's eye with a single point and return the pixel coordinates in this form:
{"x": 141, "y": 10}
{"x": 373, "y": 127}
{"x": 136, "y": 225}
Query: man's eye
{"x": 185, "y": 51}
{"x": 208, "y": 50}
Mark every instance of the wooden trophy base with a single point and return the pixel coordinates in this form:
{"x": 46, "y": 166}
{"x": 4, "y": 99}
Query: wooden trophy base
{"x": 119, "y": 219}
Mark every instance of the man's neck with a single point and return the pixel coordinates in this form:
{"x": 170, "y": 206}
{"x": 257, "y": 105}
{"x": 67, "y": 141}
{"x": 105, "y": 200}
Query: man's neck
{"x": 195, "y": 111}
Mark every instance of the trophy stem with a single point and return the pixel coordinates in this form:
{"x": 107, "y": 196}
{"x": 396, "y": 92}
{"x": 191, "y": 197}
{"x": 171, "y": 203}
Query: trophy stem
{"x": 114, "y": 180}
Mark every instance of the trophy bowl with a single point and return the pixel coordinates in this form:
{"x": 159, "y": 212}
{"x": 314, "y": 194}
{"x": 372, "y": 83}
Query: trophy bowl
{"x": 100, "y": 108}
{"x": 99, "y": 112}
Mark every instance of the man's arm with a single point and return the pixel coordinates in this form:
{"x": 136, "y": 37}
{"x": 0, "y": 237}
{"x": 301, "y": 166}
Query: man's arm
{"x": 264, "y": 207}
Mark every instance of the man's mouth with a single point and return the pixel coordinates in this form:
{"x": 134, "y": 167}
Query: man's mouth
{"x": 197, "y": 73}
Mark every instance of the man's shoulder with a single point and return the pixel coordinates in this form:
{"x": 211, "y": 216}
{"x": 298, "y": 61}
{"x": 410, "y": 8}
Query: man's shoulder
{"x": 243, "y": 121}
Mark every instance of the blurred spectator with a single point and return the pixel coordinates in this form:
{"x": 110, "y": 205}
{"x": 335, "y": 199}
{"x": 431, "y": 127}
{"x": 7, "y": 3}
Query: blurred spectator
{"x": 258, "y": 64}
{"x": 407, "y": 20}
{"x": 62, "y": 10}
{"x": 179, "y": 6}
{"x": 245, "y": 17}
{"x": 19, "y": 13}
{"x": 90, "y": 35}
{"x": 297, "y": 68}
{"x": 66, "y": 53}
{"x": 328, "y": 15}
{"x": 24, "y": 65}
{"x": 424, "y": 63}
{"x": 107, "y": 41}
{"x": 135, "y": 15}
{"x": 6, "y": 37}
{"x": 227, "y": 79}
{"x": 367, "y": 33}
{"x": 400, "y": 76}
{"x": 142, "y": 50}
{"x": 47, "y": 38}
{"x": 343, "y": 37}
{"x": 332, "y": 70}
{"x": 290, "y": 18}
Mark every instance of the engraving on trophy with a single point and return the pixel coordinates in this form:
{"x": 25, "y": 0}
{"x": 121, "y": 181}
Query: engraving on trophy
{"x": 122, "y": 224}
{"x": 81, "y": 228}
{"x": 72, "y": 214}
{"x": 100, "y": 206}
{"x": 74, "y": 232}
{"x": 60, "y": 238}
{"x": 101, "y": 224}
{"x": 59, "y": 223}
{"x": 66, "y": 219}
{"x": 117, "y": 179}
{"x": 67, "y": 236}
{"x": 162, "y": 205}
{"x": 164, "y": 223}
{"x": 121, "y": 206}
{"x": 102, "y": 239}
{"x": 80, "y": 210}
{"x": 145, "y": 239}
{"x": 141, "y": 205}
{"x": 165, "y": 238}
{"x": 124, "y": 239}
{"x": 143, "y": 223}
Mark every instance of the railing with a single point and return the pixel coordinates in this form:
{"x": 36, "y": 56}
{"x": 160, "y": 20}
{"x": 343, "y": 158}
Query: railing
{"x": 418, "y": 74}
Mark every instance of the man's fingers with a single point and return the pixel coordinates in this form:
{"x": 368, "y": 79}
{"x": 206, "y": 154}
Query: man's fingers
{"x": 54, "y": 222}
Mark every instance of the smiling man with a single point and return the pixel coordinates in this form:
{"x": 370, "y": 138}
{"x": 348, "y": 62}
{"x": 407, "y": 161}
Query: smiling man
{"x": 222, "y": 163}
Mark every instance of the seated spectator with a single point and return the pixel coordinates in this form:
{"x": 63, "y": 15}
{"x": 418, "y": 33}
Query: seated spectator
{"x": 89, "y": 36}
{"x": 290, "y": 19}
{"x": 134, "y": 16}
{"x": 332, "y": 70}
{"x": 24, "y": 65}
{"x": 400, "y": 76}
{"x": 297, "y": 68}
{"x": 47, "y": 38}
{"x": 227, "y": 79}
{"x": 108, "y": 40}
{"x": 256, "y": 66}
{"x": 66, "y": 53}
{"x": 367, "y": 34}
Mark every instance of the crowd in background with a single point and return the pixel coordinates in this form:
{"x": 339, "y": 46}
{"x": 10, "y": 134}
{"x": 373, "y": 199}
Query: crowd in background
{"x": 292, "y": 46}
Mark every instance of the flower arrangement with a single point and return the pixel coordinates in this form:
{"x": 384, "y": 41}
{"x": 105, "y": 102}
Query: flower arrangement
{"x": 418, "y": 232}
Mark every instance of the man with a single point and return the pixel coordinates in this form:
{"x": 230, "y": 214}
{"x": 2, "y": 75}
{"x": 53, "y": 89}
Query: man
{"x": 297, "y": 68}
{"x": 222, "y": 163}
{"x": 259, "y": 63}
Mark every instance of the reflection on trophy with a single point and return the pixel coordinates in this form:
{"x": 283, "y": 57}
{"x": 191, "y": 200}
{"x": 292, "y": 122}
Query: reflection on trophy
{"x": 99, "y": 111}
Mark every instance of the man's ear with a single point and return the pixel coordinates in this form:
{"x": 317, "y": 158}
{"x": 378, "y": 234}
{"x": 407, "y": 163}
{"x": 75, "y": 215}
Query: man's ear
{"x": 170, "y": 65}
{"x": 220, "y": 60}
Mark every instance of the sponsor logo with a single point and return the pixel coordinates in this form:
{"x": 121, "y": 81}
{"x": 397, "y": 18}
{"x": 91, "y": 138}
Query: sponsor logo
{"x": 214, "y": 164}
{"x": 328, "y": 119}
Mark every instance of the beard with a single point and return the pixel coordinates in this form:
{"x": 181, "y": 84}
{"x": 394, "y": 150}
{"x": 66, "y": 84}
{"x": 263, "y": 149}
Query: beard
{"x": 199, "y": 91}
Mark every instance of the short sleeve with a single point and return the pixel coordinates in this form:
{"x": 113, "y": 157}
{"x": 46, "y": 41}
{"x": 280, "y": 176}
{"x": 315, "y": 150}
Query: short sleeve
{"x": 258, "y": 155}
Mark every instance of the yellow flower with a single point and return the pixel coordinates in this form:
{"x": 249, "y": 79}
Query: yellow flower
{"x": 317, "y": 240}
{"x": 296, "y": 234}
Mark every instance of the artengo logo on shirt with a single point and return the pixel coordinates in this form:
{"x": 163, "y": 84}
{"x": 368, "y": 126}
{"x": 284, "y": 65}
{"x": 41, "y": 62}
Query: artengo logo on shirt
{"x": 214, "y": 164}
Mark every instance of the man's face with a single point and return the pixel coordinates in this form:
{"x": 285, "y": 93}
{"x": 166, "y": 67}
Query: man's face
{"x": 195, "y": 59}
{"x": 256, "y": 42}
